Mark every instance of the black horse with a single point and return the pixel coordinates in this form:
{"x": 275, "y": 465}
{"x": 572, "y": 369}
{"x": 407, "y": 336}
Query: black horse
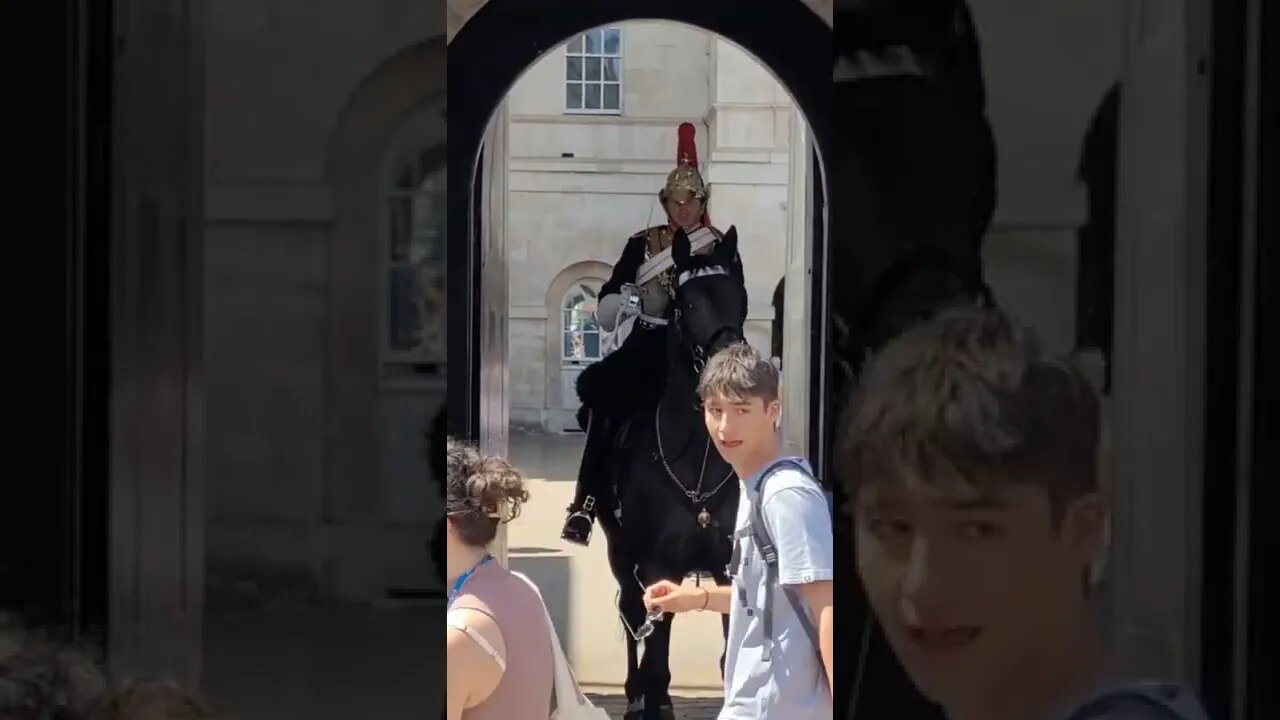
{"x": 678, "y": 499}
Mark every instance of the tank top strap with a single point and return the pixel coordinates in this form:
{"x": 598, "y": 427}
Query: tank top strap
{"x": 479, "y": 639}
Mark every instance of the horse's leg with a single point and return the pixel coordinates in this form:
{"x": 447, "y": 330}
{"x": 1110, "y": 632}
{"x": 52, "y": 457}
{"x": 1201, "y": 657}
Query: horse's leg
{"x": 655, "y": 666}
{"x": 637, "y": 685}
{"x": 632, "y": 611}
{"x": 655, "y": 669}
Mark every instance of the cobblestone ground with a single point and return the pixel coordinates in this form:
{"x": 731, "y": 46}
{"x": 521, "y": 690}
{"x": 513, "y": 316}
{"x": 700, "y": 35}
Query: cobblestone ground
{"x": 686, "y": 708}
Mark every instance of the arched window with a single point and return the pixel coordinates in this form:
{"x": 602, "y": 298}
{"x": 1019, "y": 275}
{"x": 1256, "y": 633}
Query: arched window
{"x": 581, "y": 338}
{"x": 412, "y": 317}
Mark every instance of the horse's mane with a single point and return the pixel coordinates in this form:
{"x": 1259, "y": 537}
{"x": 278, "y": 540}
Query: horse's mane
{"x": 715, "y": 258}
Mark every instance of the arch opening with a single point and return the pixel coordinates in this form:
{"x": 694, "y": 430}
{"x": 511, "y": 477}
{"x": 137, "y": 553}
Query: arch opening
{"x": 800, "y": 68}
{"x": 507, "y": 274}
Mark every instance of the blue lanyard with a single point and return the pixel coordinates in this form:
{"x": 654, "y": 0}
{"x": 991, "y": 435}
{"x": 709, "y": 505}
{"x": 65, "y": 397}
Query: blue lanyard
{"x": 464, "y": 577}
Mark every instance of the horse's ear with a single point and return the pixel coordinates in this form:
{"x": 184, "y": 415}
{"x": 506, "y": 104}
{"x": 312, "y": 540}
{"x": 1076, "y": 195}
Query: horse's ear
{"x": 680, "y": 248}
{"x": 729, "y": 244}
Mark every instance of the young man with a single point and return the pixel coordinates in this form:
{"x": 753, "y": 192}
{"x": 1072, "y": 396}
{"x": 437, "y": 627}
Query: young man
{"x": 971, "y": 461}
{"x": 778, "y": 664}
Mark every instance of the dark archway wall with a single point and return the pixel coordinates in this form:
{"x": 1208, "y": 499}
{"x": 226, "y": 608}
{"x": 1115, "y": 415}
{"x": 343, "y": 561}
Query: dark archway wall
{"x": 54, "y": 520}
{"x": 505, "y": 37}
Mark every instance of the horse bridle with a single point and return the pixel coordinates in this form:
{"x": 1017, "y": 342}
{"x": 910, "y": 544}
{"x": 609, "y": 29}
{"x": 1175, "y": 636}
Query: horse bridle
{"x": 701, "y": 352}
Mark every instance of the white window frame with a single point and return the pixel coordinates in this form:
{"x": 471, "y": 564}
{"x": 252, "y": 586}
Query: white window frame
{"x": 567, "y": 362}
{"x": 602, "y": 55}
{"x": 422, "y": 368}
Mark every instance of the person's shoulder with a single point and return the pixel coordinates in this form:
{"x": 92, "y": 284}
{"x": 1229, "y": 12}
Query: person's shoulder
{"x": 1141, "y": 701}
{"x": 480, "y": 619}
{"x": 646, "y": 233}
{"x": 787, "y": 470}
{"x": 788, "y": 474}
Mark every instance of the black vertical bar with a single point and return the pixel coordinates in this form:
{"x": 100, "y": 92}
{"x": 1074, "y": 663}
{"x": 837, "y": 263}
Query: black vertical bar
{"x": 1222, "y": 381}
{"x": 1262, "y": 700}
{"x": 34, "y": 540}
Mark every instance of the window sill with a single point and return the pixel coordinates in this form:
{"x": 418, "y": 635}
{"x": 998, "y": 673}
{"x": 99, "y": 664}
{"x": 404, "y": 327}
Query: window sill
{"x": 589, "y": 113}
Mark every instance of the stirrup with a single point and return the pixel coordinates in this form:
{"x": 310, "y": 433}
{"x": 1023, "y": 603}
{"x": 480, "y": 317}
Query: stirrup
{"x": 576, "y": 535}
{"x": 586, "y": 514}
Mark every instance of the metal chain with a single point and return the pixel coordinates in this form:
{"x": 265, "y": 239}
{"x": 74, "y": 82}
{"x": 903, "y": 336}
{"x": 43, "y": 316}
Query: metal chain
{"x": 697, "y": 497}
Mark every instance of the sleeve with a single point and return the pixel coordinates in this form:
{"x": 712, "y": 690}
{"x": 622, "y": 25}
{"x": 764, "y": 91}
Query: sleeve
{"x": 627, "y": 267}
{"x": 799, "y": 522}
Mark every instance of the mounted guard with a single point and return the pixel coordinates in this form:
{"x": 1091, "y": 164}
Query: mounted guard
{"x": 633, "y": 306}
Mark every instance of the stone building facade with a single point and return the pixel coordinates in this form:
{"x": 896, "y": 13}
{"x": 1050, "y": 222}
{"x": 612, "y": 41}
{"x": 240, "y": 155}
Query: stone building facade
{"x": 580, "y": 181}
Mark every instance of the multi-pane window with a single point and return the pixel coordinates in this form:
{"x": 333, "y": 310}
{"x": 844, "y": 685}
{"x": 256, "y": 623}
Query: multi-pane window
{"x": 580, "y": 344}
{"x": 413, "y": 318}
{"x": 593, "y": 72}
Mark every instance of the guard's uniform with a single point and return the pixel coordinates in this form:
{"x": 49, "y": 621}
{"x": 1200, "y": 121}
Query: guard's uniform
{"x": 633, "y": 305}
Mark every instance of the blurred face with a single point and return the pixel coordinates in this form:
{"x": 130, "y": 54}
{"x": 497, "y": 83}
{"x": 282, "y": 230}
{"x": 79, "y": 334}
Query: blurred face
{"x": 685, "y": 214}
{"x": 741, "y": 427}
{"x": 968, "y": 587}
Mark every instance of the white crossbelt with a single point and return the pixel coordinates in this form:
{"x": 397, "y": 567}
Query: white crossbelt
{"x": 698, "y": 239}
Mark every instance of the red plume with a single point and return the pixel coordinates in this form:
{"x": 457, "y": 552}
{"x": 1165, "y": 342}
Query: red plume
{"x": 686, "y": 149}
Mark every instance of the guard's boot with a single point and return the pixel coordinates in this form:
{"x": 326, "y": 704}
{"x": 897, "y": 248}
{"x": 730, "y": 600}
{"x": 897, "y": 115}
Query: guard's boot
{"x": 582, "y": 512}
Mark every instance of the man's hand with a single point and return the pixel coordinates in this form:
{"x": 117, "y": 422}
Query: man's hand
{"x": 669, "y": 597}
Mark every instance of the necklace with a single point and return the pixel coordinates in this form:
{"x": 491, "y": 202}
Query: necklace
{"x": 464, "y": 577}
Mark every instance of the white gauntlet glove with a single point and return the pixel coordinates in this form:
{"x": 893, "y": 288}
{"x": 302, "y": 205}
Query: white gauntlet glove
{"x": 607, "y": 311}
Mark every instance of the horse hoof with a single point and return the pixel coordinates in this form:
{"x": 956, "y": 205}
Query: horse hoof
{"x": 666, "y": 712}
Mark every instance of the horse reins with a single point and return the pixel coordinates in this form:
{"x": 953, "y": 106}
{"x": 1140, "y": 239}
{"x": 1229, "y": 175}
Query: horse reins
{"x": 697, "y": 497}
{"x": 699, "y": 352}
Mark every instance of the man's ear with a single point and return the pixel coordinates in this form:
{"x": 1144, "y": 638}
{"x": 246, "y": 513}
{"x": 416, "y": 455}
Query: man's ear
{"x": 774, "y": 411}
{"x": 1083, "y": 527}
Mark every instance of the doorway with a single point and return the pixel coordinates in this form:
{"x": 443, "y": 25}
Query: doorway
{"x": 505, "y": 307}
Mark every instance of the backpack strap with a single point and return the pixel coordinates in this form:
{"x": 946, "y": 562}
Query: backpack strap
{"x": 769, "y": 551}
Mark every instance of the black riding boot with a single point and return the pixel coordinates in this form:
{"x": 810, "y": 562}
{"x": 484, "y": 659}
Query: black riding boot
{"x": 591, "y": 481}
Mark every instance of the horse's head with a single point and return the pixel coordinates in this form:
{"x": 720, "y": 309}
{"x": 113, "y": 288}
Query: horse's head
{"x": 710, "y": 303}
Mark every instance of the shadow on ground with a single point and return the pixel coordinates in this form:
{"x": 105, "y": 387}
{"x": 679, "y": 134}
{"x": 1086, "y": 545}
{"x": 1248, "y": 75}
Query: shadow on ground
{"x": 324, "y": 661}
{"x": 686, "y": 708}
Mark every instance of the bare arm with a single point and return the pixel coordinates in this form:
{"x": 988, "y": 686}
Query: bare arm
{"x": 719, "y": 598}
{"x": 458, "y": 687}
{"x": 473, "y": 673}
{"x": 670, "y": 597}
{"x": 819, "y": 597}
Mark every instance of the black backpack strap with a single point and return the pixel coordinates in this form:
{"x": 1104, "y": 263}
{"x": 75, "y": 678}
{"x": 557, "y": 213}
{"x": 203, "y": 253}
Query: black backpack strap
{"x": 769, "y": 551}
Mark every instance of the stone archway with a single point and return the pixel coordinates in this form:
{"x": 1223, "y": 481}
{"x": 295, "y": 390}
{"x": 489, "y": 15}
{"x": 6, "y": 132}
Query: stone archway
{"x": 369, "y": 430}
